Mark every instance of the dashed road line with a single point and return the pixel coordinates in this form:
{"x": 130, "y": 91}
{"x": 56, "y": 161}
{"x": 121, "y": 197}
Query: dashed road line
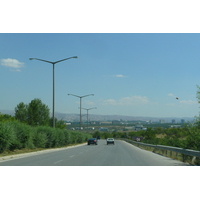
{"x": 58, "y": 161}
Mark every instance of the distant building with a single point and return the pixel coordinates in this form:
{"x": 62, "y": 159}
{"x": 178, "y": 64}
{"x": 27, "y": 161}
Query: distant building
{"x": 182, "y": 121}
{"x": 130, "y": 128}
{"x": 103, "y": 129}
{"x": 136, "y": 128}
{"x": 105, "y": 122}
{"x": 173, "y": 121}
{"x": 175, "y": 126}
{"x": 162, "y": 121}
{"x": 139, "y": 127}
{"x": 116, "y": 122}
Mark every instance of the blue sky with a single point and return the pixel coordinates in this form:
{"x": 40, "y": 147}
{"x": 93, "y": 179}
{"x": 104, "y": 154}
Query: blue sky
{"x": 134, "y": 74}
{"x": 129, "y": 74}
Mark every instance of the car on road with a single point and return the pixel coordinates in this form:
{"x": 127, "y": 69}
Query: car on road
{"x": 98, "y": 138}
{"x": 92, "y": 141}
{"x": 110, "y": 141}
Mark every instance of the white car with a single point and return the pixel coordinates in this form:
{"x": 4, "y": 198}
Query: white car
{"x": 110, "y": 141}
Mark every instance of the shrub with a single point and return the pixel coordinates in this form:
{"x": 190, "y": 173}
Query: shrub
{"x": 193, "y": 139}
{"x": 68, "y": 137}
{"x": 61, "y": 137}
{"x": 7, "y": 136}
{"x": 17, "y": 135}
{"x": 40, "y": 137}
{"x": 23, "y": 135}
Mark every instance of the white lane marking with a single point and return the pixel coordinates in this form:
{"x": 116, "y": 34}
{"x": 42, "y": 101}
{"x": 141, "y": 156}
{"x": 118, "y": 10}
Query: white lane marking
{"x": 71, "y": 156}
{"x": 58, "y": 161}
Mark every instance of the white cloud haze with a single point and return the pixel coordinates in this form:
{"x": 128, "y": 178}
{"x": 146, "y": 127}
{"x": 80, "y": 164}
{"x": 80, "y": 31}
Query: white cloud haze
{"x": 188, "y": 102}
{"x": 134, "y": 100}
{"x": 119, "y": 76}
{"x": 12, "y": 63}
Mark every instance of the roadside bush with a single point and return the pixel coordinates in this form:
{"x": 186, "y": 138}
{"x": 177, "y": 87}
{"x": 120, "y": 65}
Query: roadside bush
{"x": 193, "y": 139}
{"x": 61, "y": 137}
{"x": 17, "y": 135}
{"x": 79, "y": 137}
{"x": 7, "y": 136}
{"x": 39, "y": 140}
{"x": 43, "y": 137}
{"x": 149, "y": 134}
{"x": 74, "y": 137}
{"x": 23, "y": 135}
{"x": 68, "y": 137}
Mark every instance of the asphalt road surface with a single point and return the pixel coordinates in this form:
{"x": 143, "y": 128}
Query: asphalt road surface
{"x": 120, "y": 154}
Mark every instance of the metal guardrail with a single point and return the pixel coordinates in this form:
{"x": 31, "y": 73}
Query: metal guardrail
{"x": 182, "y": 151}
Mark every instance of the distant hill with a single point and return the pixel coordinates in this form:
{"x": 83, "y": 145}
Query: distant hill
{"x": 76, "y": 117}
{"x": 9, "y": 112}
{"x": 92, "y": 117}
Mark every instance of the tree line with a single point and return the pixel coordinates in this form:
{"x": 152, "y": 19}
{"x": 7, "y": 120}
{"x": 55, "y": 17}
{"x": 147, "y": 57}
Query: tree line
{"x": 187, "y": 137}
{"x": 36, "y": 114}
{"x": 31, "y": 128}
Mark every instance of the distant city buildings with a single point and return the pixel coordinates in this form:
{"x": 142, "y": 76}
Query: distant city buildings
{"x": 162, "y": 121}
{"x": 116, "y": 122}
{"x": 103, "y": 129}
{"x": 138, "y": 127}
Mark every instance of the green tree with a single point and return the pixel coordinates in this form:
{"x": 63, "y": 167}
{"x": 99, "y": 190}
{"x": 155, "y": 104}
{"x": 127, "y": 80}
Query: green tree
{"x": 21, "y": 112}
{"x": 38, "y": 113}
{"x": 58, "y": 123}
{"x": 6, "y": 117}
{"x": 149, "y": 134}
{"x": 198, "y": 97}
{"x": 193, "y": 139}
{"x": 96, "y": 134}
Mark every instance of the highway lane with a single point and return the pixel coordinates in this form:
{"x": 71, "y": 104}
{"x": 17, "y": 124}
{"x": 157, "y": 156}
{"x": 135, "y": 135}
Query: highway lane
{"x": 120, "y": 154}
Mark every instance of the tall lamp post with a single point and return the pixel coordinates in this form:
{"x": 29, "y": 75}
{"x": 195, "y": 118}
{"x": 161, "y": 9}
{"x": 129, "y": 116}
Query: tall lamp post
{"x": 87, "y": 113}
{"x": 53, "y": 115}
{"x": 80, "y": 105}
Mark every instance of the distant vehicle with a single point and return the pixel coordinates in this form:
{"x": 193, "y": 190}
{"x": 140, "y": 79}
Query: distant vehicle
{"x": 98, "y": 137}
{"x": 110, "y": 141}
{"x": 92, "y": 141}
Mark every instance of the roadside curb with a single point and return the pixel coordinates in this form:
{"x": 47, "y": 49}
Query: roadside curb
{"x": 4, "y": 158}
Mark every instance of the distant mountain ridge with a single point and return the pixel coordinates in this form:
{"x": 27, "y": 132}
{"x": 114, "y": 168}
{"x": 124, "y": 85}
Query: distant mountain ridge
{"x": 92, "y": 117}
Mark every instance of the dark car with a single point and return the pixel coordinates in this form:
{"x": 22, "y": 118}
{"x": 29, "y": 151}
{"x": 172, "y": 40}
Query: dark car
{"x": 98, "y": 138}
{"x": 92, "y": 141}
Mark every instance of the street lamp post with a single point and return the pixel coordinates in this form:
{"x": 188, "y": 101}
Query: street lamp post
{"x": 53, "y": 115}
{"x": 80, "y": 105}
{"x": 87, "y": 113}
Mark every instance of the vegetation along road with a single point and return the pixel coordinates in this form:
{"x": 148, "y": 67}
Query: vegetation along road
{"x": 120, "y": 154}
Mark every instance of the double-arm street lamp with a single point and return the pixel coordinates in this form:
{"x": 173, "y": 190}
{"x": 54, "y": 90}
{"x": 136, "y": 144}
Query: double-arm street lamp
{"x": 53, "y": 116}
{"x": 87, "y": 113}
{"x": 80, "y": 105}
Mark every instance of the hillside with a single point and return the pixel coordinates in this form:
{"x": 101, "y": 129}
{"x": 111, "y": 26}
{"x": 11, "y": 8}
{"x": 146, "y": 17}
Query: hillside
{"x": 76, "y": 117}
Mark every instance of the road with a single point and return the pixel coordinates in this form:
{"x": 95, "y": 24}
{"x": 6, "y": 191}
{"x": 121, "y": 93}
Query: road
{"x": 120, "y": 154}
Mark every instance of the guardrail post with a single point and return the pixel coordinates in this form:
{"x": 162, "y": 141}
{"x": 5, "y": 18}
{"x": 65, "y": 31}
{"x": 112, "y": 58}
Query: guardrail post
{"x": 183, "y": 157}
